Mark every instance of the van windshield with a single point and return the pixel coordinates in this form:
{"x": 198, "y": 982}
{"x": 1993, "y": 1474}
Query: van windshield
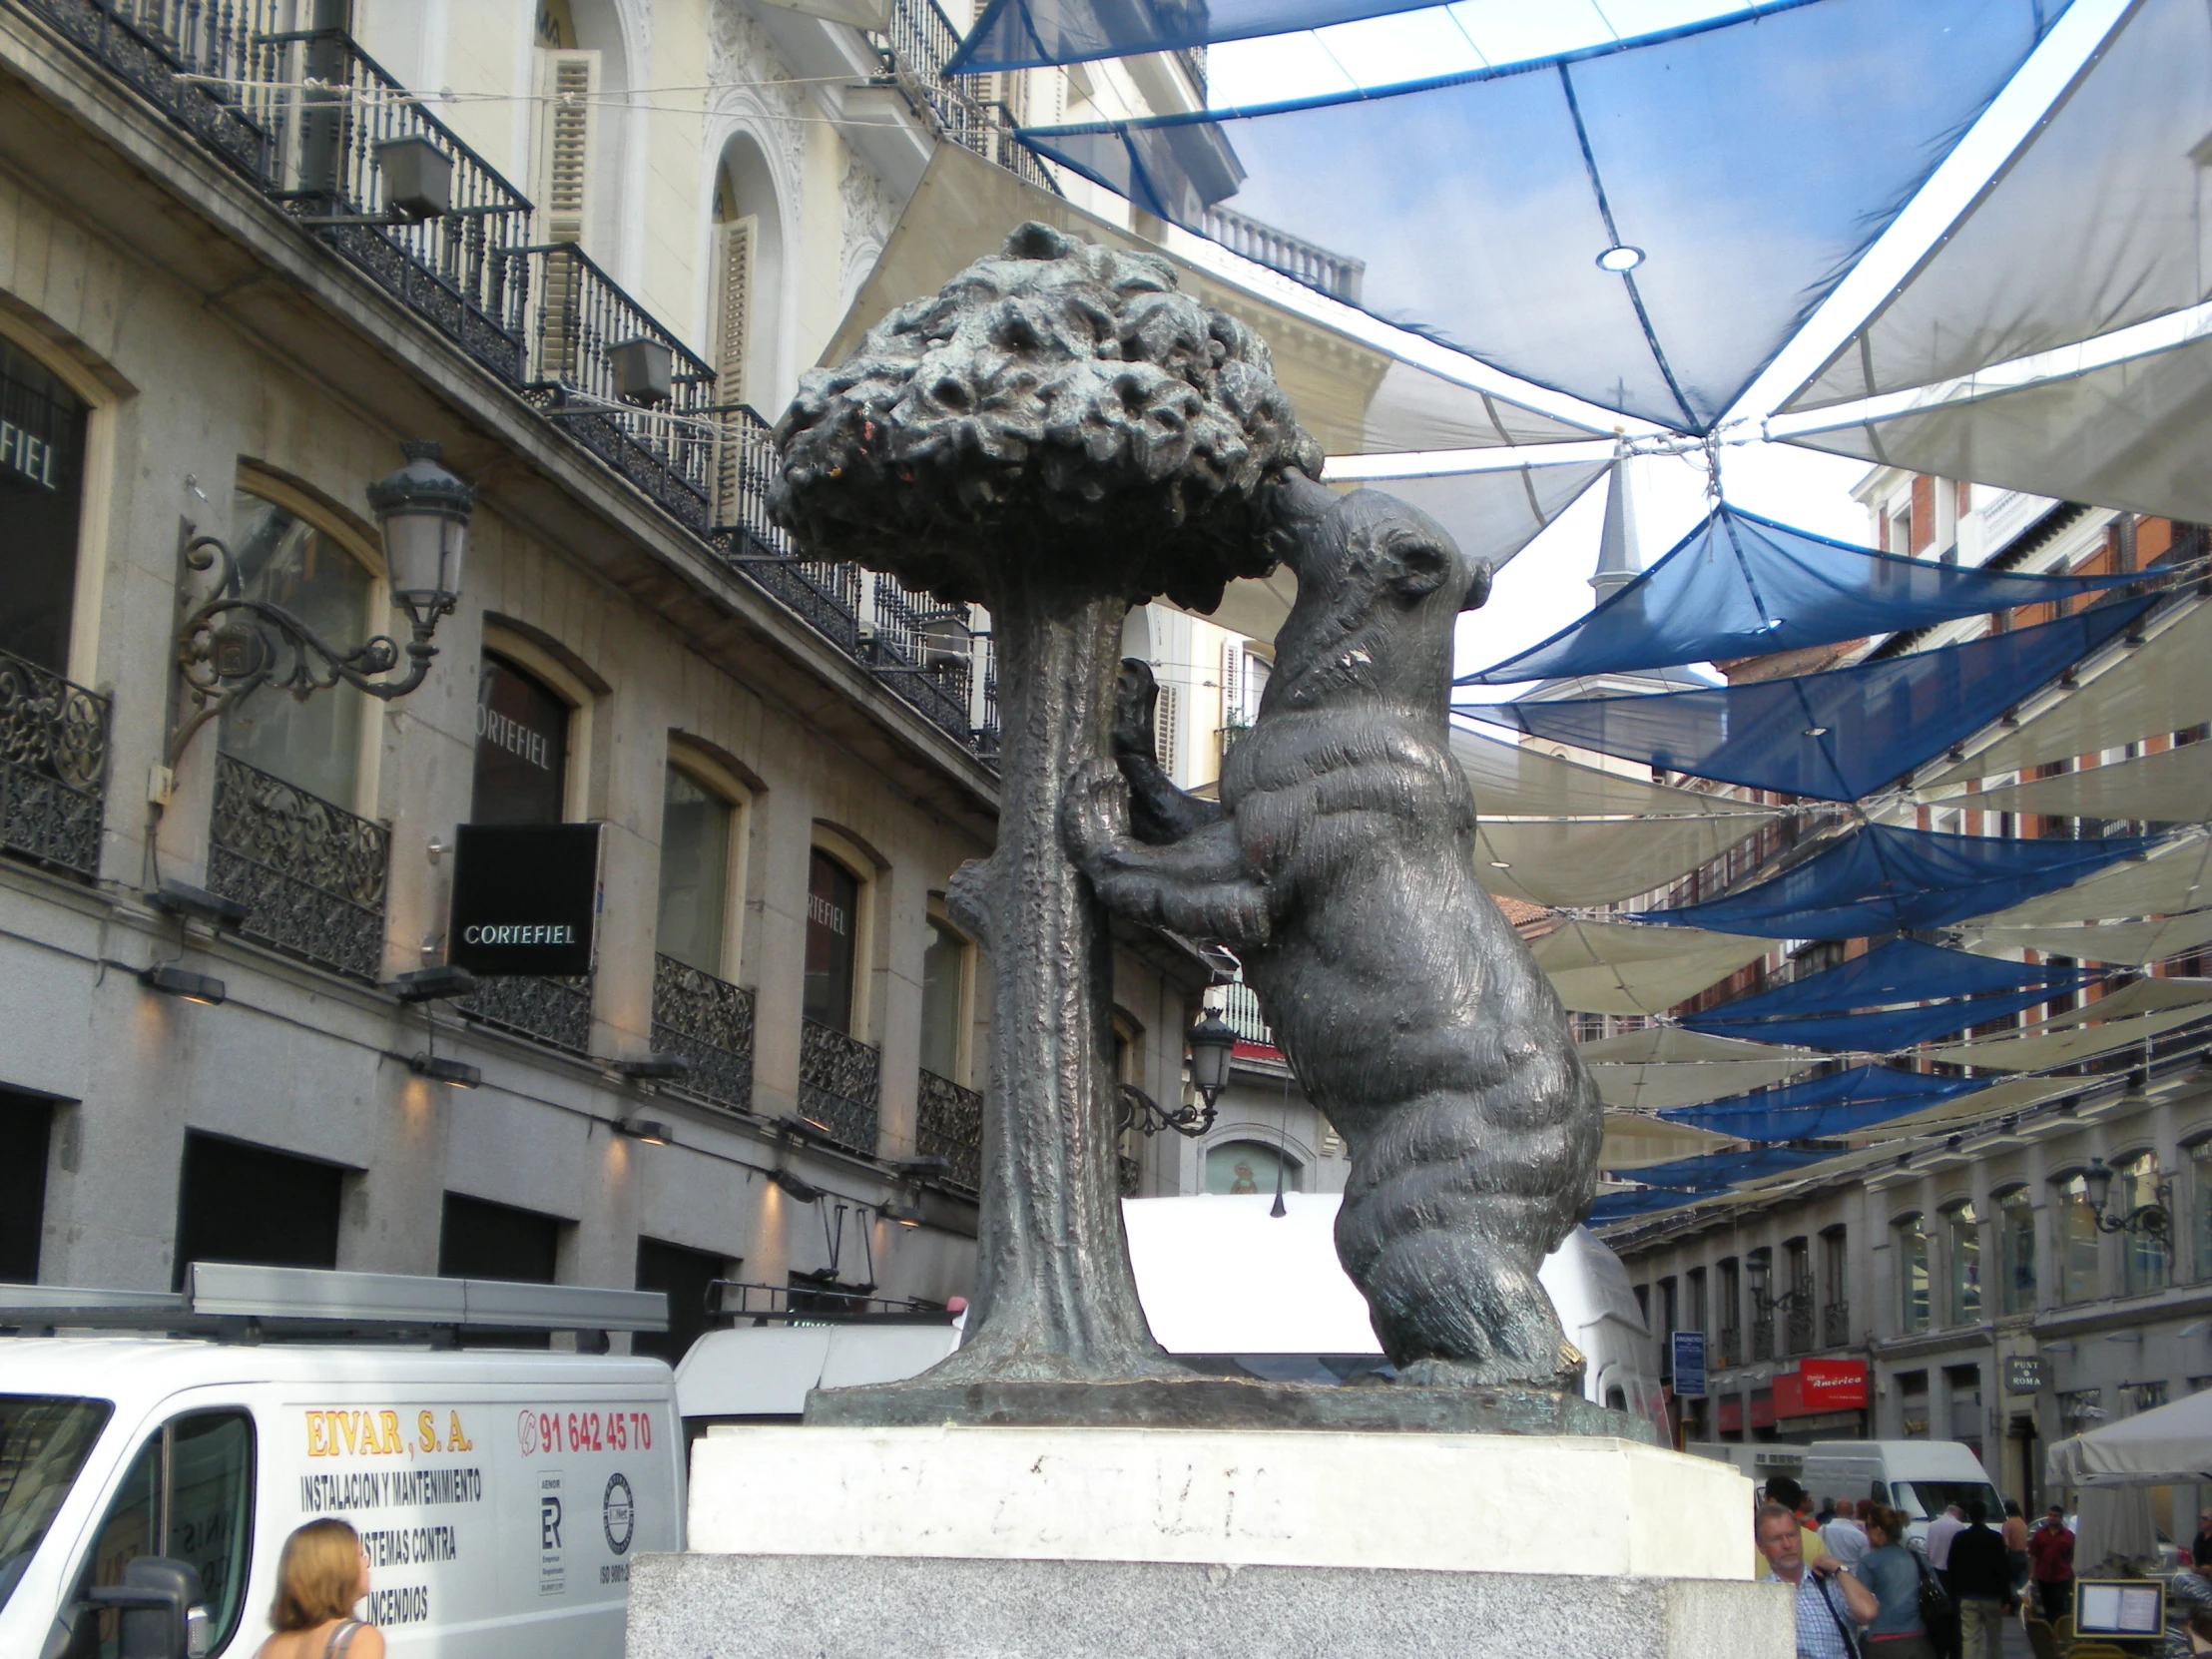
{"x": 1926, "y": 1499}
{"x": 43, "y": 1440}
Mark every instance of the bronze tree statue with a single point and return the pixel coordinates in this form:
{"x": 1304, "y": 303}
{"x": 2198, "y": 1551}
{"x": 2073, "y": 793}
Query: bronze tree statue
{"x": 1058, "y": 434}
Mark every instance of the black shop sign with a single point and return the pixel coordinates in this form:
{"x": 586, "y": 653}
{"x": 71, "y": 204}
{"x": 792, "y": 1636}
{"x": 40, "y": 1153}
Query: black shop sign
{"x": 524, "y": 899}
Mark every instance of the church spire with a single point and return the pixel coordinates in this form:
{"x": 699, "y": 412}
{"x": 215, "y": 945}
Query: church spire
{"x": 1618, "y": 561}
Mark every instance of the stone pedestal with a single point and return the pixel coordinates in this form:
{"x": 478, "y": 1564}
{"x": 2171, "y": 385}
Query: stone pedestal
{"x": 972, "y": 1543}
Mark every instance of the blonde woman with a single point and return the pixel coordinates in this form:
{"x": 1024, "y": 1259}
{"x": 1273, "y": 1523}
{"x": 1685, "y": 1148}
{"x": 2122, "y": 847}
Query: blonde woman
{"x": 322, "y": 1573}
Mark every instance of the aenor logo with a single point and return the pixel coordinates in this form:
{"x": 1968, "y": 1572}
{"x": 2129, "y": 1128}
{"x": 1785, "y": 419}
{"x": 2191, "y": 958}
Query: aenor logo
{"x": 618, "y": 1514}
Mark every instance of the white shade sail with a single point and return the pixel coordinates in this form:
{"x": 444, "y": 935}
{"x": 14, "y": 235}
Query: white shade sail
{"x": 2174, "y": 878}
{"x": 2039, "y": 1047}
{"x": 2114, "y": 175}
{"x": 1664, "y": 1065}
{"x": 2014, "y": 1095}
{"x": 1514, "y": 780}
{"x": 1601, "y": 967}
{"x": 2132, "y": 944}
{"x": 2166, "y": 1445}
{"x": 2130, "y": 434}
{"x": 1671, "y": 1046}
{"x": 2172, "y": 786}
{"x": 2142, "y": 997}
{"x": 1635, "y": 1142}
{"x": 1597, "y": 861}
{"x": 2125, "y": 694}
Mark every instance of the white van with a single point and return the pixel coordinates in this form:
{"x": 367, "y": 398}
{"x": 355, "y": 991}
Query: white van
{"x": 501, "y": 1494}
{"x": 1920, "y": 1477}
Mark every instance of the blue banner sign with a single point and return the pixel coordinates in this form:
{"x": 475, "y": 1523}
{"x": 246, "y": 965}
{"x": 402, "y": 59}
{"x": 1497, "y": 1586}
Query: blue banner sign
{"x": 1689, "y": 1364}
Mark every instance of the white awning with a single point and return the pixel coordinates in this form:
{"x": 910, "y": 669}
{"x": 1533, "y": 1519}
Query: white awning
{"x": 2172, "y": 786}
{"x": 2167, "y": 1445}
{"x": 2039, "y": 1047}
{"x": 1597, "y": 861}
{"x": 1601, "y": 967}
{"x": 1635, "y": 1142}
{"x": 2174, "y": 878}
{"x": 2125, "y": 694}
{"x": 2113, "y": 177}
{"x": 2142, "y": 997}
{"x": 2132, "y": 944}
{"x": 1515, "y": 780}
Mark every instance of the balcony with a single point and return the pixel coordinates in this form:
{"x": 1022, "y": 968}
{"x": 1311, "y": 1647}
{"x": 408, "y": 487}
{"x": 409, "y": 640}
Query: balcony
{"x": 1131, "y": 1174}
{"x": 53, "y": 766}
{"x": 1337, "y": 274}
{"x": 1835, "y": 1325}
{"x": 1228, "y": 736}
{"x": 1799, "y": 1332}
{"x": 710, "y": 1022}
{"x": 1761, "y": 1339}
{"x": 1728, "y": 1348}
{"x": 555, "y": 1012}
{"x": 914, "y": 51}
{"x": 839, "y": 1080}
{"x": 310, "y": 875}
{"x": 950, "y": 1125}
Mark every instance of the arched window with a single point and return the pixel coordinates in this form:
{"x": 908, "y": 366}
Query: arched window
{"x": 522, "y": 732}
{"x": 1912, "y": 1259}
{"x": 1250, "y": 1167}
{"x": 314, "y": 745}
{"x": 582, "y": 82}
{"x": 2074, "y": 1235}
{"x": 832, "y": 941}
{"x": 1962, "y": 1262}
{"x": 42, "y": 485}
{"x": 944, "y": 981}
{"x": 745, "y": 264}
{"x": 2146, "y": 1258}
{"x": 2017, "y": 1249}
{"x": 698, "y": 829}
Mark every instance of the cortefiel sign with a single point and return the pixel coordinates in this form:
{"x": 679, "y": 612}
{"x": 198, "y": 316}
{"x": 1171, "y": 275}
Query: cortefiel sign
{"x": 524, "y": 899}
{"x": 1689, "y": 1364}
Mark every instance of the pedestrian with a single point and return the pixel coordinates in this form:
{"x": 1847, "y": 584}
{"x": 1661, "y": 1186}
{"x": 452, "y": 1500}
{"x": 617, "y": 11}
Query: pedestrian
{"x": 1787, "y": 1492}
{"x": 1892, "y": 1574}
{"x": 1981, "y": 1582}
{"x": 1936, "y": 1550}
{"x": 2200, "y": 1549}
{"x": 1825, "y": 1514}
{"x": 322, "y": 1574}
{"x": 1831, "y": 1602}
{"x": 1844, "y": 1537}
{"x": 2015, "y": 1544}
{"x": 2050, "y": 1551}
{"x": 2188, "y": 1597}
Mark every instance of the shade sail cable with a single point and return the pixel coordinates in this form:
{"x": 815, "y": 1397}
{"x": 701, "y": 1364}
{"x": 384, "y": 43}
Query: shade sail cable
{"x": 1781, "y": 589}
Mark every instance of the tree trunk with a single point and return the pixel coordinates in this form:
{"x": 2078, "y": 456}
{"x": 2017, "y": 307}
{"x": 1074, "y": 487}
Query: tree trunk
{"x": 1055, "y": 1298}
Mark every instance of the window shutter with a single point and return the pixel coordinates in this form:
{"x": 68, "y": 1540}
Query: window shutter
{"x": 1256, "y": 671}
{"x": 1232, "y": 681}
{"x": 571, "y": 81}
{"x": 1167, "y": 726}
{"x": 732, "y": 316}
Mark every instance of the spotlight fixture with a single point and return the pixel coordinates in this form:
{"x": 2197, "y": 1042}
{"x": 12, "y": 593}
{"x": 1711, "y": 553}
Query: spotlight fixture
{"x": 660, "y": 1063}
{"x": 902, "y": 1213}
{"x": 805, "y": 1191}
{"x": 433, "y": 985}
{"x": 651, "y": 1131}
{"x": 198, "y": 905}
{"x": 1620, "y": 258}
{"x": 438, "y": 1070}
{"x": 171, "y": 980}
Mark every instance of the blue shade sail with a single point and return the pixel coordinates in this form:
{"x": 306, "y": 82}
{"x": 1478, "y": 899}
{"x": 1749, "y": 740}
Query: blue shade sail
{"x": 1738, "y": 172}
{"x": 1879, "y": 1031}
{"x": 1881, "y": 878}
{"x": 1688, "y": 1178}
{"x": 1742, "y": 586}
{"x": 1830, "y": 737}
{"x": 1824, "y": 1107}
{"x": 1902, "y": 970}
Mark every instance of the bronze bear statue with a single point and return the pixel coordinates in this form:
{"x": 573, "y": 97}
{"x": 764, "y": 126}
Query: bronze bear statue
{"x": 1339, "y": 864}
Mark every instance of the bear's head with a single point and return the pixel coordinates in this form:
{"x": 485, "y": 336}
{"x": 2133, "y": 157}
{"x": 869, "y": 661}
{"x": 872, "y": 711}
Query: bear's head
{"x": 1380, "y": 586}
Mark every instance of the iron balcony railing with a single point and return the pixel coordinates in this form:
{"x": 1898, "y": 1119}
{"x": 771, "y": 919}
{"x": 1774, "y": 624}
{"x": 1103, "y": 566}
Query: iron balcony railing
{"x": 1240, "y": 1010}
{"x": 1800, "y": 1332}
{"x": 309, "y": 874}
{"x": 53, "y": 766}
{"x": 1761, "y": 1339}
{"x": 914, "y": 49}
{"x": 1228, "y": 736}
{"x": 569, "y": 315}
{"x": 1337, "y": 274}
{"x": 710, "y": 1022}
{"x": 1835, "y": 1325}
{"x": 949, "y": 1124}
{"x": 1728, "y": 1347}
{"x": 553, "y": 1011}
{"x": 840, "y": 1086}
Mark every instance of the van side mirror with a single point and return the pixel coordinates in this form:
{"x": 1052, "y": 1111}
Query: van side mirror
{"x": 160, "y": 1607}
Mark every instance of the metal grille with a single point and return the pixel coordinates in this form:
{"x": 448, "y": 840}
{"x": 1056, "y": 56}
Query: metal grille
{"x": 556, "y": 1013}
{"x": 1762, "y": 1338}
{"x": 53, "y": 766}
{"x": 1835, "y": 1325}
{"x": 310, "y": 875}
{"x": 710, "y": 1022}
{"x": 950, "y": 1125}
{"x": 1131, "y": 1172}
{"x": 838, "y": 1085}
{"x": 1800, "y": 1328}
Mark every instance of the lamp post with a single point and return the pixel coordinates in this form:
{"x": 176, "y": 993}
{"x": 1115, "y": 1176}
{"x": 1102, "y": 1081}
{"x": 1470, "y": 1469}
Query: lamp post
{"x": 231, "y": 645}
{"x": 1213, "y": 1043}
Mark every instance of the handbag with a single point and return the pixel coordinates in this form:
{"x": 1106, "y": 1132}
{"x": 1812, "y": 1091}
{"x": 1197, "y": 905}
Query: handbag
{"x": 1938, "y": 1611}
{"x": 1843, "y": 1625}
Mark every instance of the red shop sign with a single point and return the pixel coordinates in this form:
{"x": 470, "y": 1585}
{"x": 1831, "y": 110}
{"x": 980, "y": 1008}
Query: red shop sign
{"x": 1832, "y": 1385}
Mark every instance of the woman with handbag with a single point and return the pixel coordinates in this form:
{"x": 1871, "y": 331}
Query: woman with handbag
{"x": 1894, "y": 1575}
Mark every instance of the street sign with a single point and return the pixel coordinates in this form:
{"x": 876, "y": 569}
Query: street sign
{"x": 2023, "y": 1374}
{"x": 1689, "y": 1364}
{"x": 524, "y": 899}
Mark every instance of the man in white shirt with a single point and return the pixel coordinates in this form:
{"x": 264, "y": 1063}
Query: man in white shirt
{"x": 1844, "y": 1537}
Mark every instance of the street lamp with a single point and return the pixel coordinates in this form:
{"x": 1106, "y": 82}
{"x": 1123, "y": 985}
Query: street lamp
{"x": 1213, "y": 1043}
{"x": 2151, "y": 1220}
{"x": 1759, "y": 1272}
{"x": 231, "y": 646}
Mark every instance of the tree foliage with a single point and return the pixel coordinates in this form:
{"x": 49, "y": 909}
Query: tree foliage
{"x": 1057, "y": 401}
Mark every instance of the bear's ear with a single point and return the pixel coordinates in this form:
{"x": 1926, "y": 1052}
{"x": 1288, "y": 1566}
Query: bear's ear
{"x": 1421, "y": 565}
{"x": 1478, "y": 587}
